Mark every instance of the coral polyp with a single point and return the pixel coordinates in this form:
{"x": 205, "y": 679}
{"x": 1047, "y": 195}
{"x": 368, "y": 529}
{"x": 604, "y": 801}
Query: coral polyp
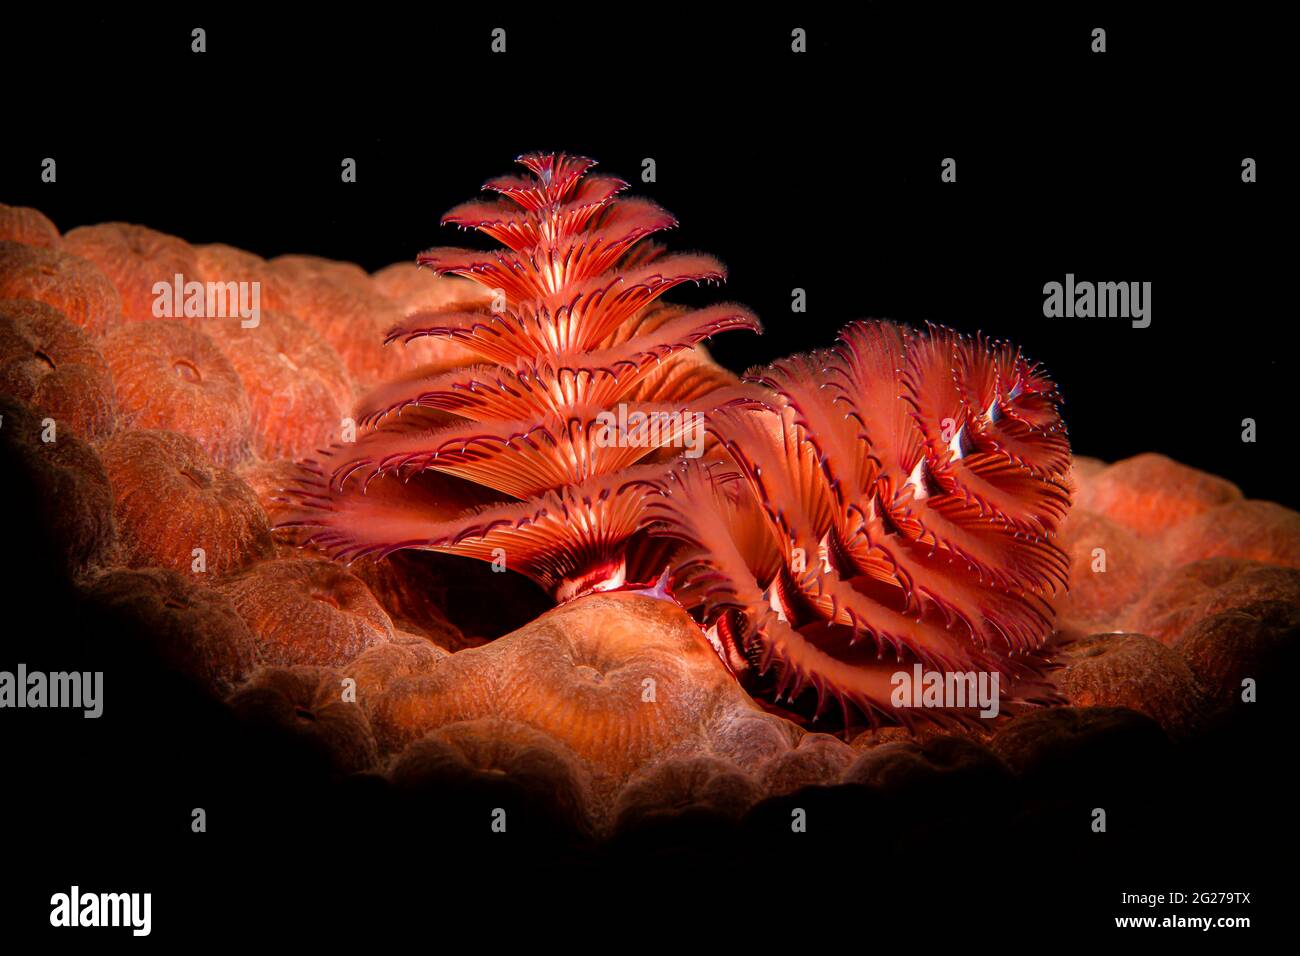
{"x": 894, "y": 504}
{"x": 546, "y": 447}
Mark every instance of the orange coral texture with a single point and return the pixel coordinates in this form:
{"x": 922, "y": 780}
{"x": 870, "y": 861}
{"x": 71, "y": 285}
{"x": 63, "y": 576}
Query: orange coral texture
{"x": 615, "y": 706}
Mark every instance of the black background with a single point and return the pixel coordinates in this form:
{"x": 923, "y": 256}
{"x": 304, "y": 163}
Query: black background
{"x": 818, "y": 171}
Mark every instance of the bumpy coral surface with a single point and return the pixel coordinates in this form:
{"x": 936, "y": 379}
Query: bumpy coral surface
{"x": 623, "y": 680}
{"x": 308, "y": 611}
{"x": 176, "y": 509}
{"x": 306, "y": 704}
{"x": 69, "y": 283}
{"x": 68, "y": 483}
{"x": 169, "y": 375}
{"x": 29, "y": 226}
{"x": 193, "y": 628}
{"x": 135, "y": 259}
{"x": 298, "y": 390}
{"x": 49, "y": 362}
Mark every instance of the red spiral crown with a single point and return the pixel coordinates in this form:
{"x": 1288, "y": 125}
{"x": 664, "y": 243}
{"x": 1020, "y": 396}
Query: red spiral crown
{"x": 894, "y": 505}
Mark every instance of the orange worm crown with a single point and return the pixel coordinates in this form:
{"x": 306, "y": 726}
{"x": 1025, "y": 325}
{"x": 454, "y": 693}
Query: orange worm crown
{"x": 514, "y": 457}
